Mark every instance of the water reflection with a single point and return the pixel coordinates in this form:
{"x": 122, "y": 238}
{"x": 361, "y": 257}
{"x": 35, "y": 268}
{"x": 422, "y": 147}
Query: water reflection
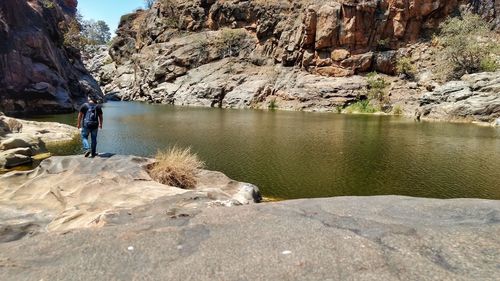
{"x": 298, "y": 155}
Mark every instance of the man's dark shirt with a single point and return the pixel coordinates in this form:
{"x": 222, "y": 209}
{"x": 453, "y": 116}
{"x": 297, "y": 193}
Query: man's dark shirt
{"x": 85, "y": 107}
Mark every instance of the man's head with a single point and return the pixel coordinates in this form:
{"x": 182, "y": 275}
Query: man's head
{"x": 91, "y": 99}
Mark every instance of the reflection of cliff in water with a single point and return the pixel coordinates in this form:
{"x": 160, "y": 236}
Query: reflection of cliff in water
{"x": 300, "y": 155}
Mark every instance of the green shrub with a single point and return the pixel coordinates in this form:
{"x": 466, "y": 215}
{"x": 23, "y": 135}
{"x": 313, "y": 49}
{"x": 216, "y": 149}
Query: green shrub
{"x": 108, "y": 60}
{"x": 362, "y": 106}
{"x": 405, "y": 67}
{"x": 397, "y": 110}
{"x": 376, "y": 86}
{"x": 489, "y": 64}
{"x": 272, "y": 104}
{"x": 171, "y": 22}
{"x": 201, "y": 48}
{"x": 383, "y": 44}
{"x": 467, "y": 42}
{"x": 72, "y": 36}
{"x": 48, "y": 4}
{"x": 230, "y": 41}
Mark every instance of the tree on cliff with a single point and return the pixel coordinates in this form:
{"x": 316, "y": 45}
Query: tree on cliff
{"x": 468, "y": 46}
{"x": 96, "y": 32}
{"x": 149, "y": 3}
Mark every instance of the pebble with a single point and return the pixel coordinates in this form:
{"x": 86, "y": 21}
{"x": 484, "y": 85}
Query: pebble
{"x": 130, "y": 248}
{"x": 286, "y": 252}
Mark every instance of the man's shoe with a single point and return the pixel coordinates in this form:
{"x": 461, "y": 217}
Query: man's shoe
{"x": 93, "y": 155}
{"x": 87, "y": 153}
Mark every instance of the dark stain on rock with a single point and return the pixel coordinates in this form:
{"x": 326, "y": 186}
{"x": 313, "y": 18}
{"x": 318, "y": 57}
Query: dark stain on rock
{"x": 9, "y": 233}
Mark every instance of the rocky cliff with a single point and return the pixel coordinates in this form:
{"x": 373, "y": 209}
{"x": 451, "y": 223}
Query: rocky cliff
{"x": 297, "y": 55}
{"x": 39, "y": 72}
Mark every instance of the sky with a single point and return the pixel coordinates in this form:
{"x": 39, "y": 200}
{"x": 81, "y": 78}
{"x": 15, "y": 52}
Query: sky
{"x": 109, "y": 11}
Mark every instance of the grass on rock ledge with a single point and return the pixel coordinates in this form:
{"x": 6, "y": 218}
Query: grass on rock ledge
{"x": 362, "y": 106}
{"x": 176, "y": 167}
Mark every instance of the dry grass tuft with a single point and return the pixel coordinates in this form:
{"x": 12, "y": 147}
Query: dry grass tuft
{"x": 176, "y": 167}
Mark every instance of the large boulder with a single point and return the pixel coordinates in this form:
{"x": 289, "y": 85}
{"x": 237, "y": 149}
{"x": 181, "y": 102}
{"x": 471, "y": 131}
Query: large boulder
{"x": 48, "y": 132}
{"x": 385, "y": 62}
{"x": 476, "y": 97}
{"x": 17, "y": 148}
{"x": 23, "y": 141}
{"x": 39, "y": 73}
{"x": 77, "y": 192}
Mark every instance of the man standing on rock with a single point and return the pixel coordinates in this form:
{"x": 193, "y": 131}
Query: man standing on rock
{"x": 90, "y": 120}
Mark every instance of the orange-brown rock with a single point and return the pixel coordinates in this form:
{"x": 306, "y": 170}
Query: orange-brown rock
{"x": 327, "y": 26}
{"x": 340, "y": 54}
{"x": 358, "y": 63}
{"x": 334, "y": 71}
{"x": 286, "y": 30}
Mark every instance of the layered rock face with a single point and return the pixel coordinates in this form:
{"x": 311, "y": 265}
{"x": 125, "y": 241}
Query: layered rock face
{"x": 475, "y": 98}
{"x": 39, "y": 73}
{"x": 305, "y": 55}
{"x": 489, "y": 9}
{"x": 21, "y": 141}
{"x": 256, "y": 53}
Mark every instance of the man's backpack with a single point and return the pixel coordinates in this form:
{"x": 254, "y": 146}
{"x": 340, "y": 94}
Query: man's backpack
{"x": 91, "y": 120}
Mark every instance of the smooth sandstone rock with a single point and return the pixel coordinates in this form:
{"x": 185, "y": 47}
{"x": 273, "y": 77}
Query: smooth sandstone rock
{"x": 21, "y": 140}
{"x": 344, "y": 238}
{"x": 26, "y": 151}
{"x": 73, "y": 191}
{"x": 18, "y": 148}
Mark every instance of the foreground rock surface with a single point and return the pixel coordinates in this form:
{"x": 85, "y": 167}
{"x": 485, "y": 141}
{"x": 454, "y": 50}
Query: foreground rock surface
{"x": 346, "y": 238}
{"x": 72, "y": 192}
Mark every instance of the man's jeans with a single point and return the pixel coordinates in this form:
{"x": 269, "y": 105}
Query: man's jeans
{"x": 93, "y": 137}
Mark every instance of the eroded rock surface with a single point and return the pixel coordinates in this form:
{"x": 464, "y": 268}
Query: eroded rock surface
{"x": 73, "y": 192}
{"x": 21, "y": 140}
{"x": 475, "y": 98}
{"x": 345, "y": 238}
